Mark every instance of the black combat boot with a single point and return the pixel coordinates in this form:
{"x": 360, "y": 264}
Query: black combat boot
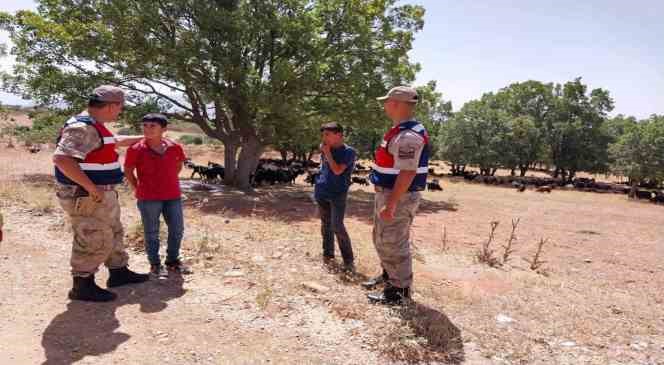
{"x": 390, "y": 295}
{"x": 123, "y": 276}
{"x": 374, "y": 282}
{"x": 86, "y": 289}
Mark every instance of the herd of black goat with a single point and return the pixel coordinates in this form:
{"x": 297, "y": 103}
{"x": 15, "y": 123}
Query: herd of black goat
{"x": 273, "y": 171}
{"x": 547, "y": 184}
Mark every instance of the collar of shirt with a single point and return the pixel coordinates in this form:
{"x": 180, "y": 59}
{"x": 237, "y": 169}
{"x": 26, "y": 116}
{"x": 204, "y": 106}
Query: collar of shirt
{"x": 165, "y": 141}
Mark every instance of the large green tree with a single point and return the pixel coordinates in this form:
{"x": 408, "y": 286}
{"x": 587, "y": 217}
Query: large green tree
{"x": 639, "y": 151}
{"x": 576, "y": 137}
{"x": 243, "y": 70}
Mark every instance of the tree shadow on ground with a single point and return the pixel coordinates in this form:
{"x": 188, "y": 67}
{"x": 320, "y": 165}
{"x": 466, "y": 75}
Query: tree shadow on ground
{"x": 89, "y": 329}
{"x": 290, "y": 203}
{"x": 442, "y": 338}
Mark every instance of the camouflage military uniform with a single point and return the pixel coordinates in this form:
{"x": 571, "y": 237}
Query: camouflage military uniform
{"x": 392, "y": 238}
{"x": 98, "y": 232}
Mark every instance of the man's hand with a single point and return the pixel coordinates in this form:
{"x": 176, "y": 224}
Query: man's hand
{"x": 96, "y": 195}
{"x": 387, "y": 212}
{"x": 325, "y": 149}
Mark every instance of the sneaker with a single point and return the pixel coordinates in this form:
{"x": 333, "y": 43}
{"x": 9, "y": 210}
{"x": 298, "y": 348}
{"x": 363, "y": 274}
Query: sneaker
{"x": 329, "y": 261}
{"x": 178, "y": 267}
{"x": 157, "y": 271}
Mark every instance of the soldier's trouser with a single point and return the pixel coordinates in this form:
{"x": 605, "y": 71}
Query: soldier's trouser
{"x": 392, "y": 238}
{"x": 98, "y": 234}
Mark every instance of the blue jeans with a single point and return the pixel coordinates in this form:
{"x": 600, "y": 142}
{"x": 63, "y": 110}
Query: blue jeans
{"x": 151, "y": 210}
{"x": 332, "y": 211}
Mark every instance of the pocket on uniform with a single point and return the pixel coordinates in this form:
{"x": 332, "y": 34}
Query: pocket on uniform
{"x": 85, "y": 206}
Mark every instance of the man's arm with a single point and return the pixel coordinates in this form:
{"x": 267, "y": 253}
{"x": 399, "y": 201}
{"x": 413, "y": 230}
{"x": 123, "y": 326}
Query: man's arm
{"x": 336, "y": 168}
{"x": 69, "y": 166}
{"x": 126, "y": 141}
{"x": 131, "y": 177}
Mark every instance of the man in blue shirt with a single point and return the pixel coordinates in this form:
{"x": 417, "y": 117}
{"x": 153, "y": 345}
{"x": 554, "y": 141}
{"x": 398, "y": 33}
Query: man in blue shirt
{"x": 331, "y": 190}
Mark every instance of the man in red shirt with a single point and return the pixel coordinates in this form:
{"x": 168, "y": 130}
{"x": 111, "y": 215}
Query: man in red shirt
{"x": 152, "y": 167}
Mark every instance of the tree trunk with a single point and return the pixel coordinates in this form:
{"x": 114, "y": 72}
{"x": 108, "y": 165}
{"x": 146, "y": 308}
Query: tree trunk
{"x": 230, "y": 157}
{"x": 493, "y": 171}
{"x": 247, "y": 162}
{"x": 513, "y": 171}
{"x": 634, "y": 188}
{"x": 523, "y": 169}
{"x": 284, "y": 155}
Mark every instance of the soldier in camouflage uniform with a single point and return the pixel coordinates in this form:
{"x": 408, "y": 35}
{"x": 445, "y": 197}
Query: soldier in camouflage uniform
{"x": 399, "y": 174}
{"x": 87, "y": 170}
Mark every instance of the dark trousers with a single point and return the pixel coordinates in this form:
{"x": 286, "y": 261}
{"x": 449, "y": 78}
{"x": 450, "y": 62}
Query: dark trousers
{"x": 332, "y": 211}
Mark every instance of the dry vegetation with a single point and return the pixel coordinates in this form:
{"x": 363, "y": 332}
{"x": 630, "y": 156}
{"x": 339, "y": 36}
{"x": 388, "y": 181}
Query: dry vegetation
{"x": 601, "y": 301}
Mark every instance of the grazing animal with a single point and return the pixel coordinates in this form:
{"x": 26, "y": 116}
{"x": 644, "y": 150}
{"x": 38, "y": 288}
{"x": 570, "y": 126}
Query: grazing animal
{"x": 34, "y": 149}
{"x": 312, "y": 176}
{"x": 644, "y": 194}
{"x": 197, "y": 169}
{"x": 544, "y": 189}
{"x": 359, "y": 180}
{"x": 434, "y": 185}
{"x": 519, "y": 186}
{"x": 658, "y": 197}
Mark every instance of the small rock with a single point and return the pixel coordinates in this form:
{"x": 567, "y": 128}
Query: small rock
{"x": 501, "y": 318}
{"x": 568, "y": 344}
{"x": 258, "y": 259}
{"x": 315, "y": 287}
{"x": 277, "y": 255}
{"x": 227, "y": 221}
{"x": 587, "y": 261}
{"x": 233, "y": 274}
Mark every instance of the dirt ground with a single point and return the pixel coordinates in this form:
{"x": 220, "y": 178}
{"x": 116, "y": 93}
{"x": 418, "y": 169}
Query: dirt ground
{"x": 597, "y": 299}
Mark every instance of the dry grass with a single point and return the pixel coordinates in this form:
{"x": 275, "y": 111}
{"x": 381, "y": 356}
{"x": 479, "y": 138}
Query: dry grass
{"x": 37, "y": 199}
{"x": 603, "y": 305}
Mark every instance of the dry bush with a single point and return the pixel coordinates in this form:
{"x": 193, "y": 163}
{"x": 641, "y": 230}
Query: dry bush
{"x": 536, "y": 262}
{"x": 507, "y": 249}
{"x": 486, "y": 253}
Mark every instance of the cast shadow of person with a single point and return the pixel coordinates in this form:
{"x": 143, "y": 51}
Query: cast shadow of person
{"x": 90, "y": 329}
{"x": 444, "y": 342}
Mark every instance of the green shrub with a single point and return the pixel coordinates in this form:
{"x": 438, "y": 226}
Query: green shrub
{"x": 189, "y": 139}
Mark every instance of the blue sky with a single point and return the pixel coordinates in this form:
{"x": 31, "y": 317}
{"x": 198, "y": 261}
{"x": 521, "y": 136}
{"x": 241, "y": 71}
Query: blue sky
{"x": 471, "y": 47}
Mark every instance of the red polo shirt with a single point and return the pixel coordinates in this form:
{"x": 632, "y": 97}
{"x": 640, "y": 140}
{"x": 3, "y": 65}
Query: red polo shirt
{"x": 157, "y": 173}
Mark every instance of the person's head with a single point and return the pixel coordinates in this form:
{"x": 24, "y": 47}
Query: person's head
{"x": 332, "y": 134}
{"x": 400, "y": 103}
{"x": 106, "y": 103}
{"x": 154, "y": 126}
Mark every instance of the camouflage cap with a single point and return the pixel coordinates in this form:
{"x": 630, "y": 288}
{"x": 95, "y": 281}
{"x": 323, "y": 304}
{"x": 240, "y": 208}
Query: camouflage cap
{"x": 108, "y": 94}
{"x": 401, "y": 93}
